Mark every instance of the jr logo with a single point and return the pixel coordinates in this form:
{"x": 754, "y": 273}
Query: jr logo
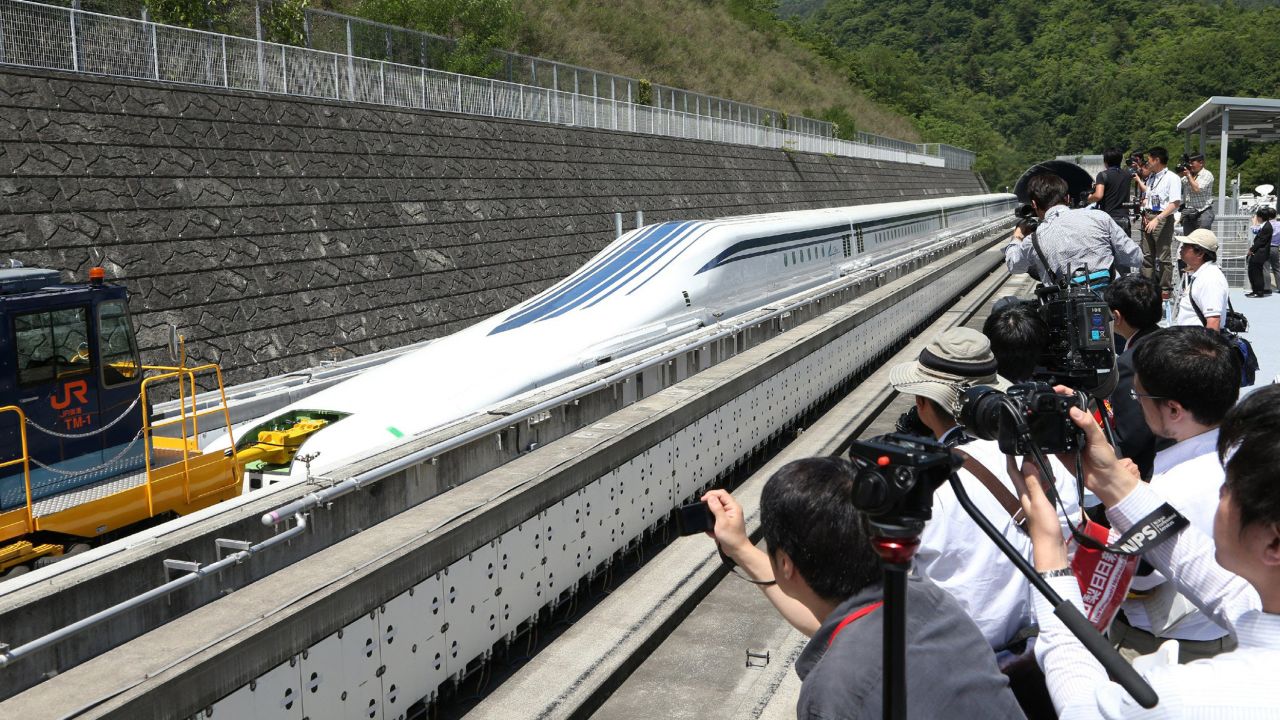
{"x": 79, "y": 389}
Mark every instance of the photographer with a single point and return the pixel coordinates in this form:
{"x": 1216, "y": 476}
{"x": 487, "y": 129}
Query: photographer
{"x": 1205, "y": 296}
{"x": 953, "y": 551}
{"x": 1163, "y": 196}
{"x": 1185, "y": 380}
{"x": 1235, "y": 580}
{"x": 1136, "y": 310}
{"x": 1197, "y": 194}
{"x": 1066, "y": 239}
{"x": 829, "y": 585}
{"x": 1111, "y": 189}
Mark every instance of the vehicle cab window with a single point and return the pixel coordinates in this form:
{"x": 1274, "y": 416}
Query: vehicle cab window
{"x": 116, "y": 344}
{"x": 52, "y": 345}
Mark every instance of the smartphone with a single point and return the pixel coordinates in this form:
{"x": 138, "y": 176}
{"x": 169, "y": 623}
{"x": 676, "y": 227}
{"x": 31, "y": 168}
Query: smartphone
{"x": 694, "y": 518}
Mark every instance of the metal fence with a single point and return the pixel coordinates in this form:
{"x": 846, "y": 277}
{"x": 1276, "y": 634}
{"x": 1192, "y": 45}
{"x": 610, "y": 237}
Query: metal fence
{"x": 46, "y": 36}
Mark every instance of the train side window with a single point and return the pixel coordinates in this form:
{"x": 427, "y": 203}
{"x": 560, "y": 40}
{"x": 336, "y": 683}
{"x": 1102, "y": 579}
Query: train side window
{"x": 52, "y": 345}
{"x": 117, "y": 344}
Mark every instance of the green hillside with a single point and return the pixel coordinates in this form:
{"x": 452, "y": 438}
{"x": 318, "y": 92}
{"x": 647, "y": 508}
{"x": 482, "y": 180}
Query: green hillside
{"x": 1019, "y": 81}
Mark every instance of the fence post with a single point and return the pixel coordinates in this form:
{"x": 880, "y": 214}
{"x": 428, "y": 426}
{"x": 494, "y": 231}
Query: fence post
{"x": 493, "y": 100}
{"x": 284, "y": 71}
{"x": 225, "y": 80}
{"x": 75, "y": 45}
{"x": 337, "y": 80}
{"x": 459, "y": 93}
{"x": 262, "y": 66}
{"x": 155, "y": 51}
{"x": 423, "y": 79}
{"x": 382, "y": 83}
{"x": 351, "y": 64}
{"x": 520, "y": 113}
{"x": 549, "y": 97}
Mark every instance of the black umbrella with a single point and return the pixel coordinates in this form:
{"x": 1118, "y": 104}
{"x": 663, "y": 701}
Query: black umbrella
{"x": 1078, "y": 181}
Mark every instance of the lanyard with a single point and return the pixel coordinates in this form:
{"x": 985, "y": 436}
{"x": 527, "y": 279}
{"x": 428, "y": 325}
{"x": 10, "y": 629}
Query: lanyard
{"x": 856, "y": 614}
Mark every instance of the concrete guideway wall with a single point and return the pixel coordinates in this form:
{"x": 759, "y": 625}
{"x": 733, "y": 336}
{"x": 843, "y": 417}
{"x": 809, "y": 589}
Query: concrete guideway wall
{"x": 703, "y": 426}
{"x": 280, "y": 232}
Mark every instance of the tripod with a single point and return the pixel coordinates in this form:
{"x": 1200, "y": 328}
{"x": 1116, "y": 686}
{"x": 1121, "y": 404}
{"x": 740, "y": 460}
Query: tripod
{"x": 896, "y": 545}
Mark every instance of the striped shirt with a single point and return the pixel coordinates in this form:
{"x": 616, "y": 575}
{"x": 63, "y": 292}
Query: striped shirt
{"x": 1239, "y": 685}
{"x": 1071, "y": 240}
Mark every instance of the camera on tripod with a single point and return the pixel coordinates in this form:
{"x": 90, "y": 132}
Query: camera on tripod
{"x": 897, "y": 475}
{"x": 1027, "y": 413}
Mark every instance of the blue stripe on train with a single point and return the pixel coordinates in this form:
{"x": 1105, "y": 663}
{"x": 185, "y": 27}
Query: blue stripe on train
{"x": 601, "y": 281}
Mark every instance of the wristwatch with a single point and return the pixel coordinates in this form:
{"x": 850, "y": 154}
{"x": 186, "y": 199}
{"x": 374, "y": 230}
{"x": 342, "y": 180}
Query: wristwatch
{"x": 1060, "y": 572}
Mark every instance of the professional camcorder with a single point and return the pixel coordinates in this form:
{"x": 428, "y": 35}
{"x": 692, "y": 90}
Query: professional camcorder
{"x": 990, "y": 414}
{"x": 897, "y": 475}
{"x": 1079, "y": 352}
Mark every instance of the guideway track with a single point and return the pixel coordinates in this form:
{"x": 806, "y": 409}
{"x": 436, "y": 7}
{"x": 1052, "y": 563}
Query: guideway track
{"x": 689, "y": 626}
{"x": 190, "y": 663}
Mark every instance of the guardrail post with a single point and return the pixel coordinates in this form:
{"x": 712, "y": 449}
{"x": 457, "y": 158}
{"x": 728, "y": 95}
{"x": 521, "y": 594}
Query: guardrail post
{"x": 284, "y": 70}
{"x": 549, "y": 101}
{"x": 225, "y": 79}
{"x": 337, "y": 80}
{"x": 382, "y": 83}
{"x": 459, "y": 93}
{"x": 493, "y": 99}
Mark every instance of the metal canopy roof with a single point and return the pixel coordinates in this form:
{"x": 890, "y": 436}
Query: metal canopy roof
{"x": 1245, "y": 118}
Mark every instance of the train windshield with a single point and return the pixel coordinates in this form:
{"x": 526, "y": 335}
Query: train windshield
{"x": 116, "y": 344}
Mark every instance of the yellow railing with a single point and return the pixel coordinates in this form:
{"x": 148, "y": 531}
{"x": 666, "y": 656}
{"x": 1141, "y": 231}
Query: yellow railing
{"x": 187, "y": 414}
{"x": 25, "y": 460}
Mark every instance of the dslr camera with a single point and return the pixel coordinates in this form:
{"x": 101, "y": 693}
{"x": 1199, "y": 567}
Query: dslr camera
{"x": 1136, "y": 161}
{"x": 1028, "y": 413}
{"x": 1027, "y": 220}
{"x": 897, "y": 475}
{"x": 1184, "y": 164}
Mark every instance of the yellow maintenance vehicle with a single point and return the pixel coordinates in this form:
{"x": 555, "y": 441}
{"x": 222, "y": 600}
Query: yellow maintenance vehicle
{"x": 82, "y": 460}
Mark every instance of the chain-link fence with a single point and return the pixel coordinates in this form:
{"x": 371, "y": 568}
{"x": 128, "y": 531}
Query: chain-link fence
{"x": 61, "y": 38}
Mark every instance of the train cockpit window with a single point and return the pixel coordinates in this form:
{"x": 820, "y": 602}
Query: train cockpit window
{"x": 117, "y": 345}
{"x": 51, "y": 345}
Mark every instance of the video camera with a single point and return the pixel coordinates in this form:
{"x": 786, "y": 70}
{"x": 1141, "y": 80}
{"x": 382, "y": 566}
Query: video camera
{"x": 1028, "y": 412}
{"x": 897, "y": 475}
{"x": 1080, "y": 352}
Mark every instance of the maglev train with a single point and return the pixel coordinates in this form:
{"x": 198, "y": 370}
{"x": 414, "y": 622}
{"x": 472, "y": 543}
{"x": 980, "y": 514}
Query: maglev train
{"x": 648, "y": 286}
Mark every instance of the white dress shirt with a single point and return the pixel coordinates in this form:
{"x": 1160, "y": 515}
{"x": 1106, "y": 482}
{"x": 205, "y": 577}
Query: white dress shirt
{"x": 1240, "y": 685}
{"x": 1209, "y": 287}
{"x": 958, "y": 557}
{"x": 1188, "y": 476}
{"x": 1166, "y": 186}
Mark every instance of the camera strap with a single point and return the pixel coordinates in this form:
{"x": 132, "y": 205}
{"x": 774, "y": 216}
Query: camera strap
{"x": 1157, "y": 527}
{"x": 954, "y": 439}
{"x": 1035, "y": 245}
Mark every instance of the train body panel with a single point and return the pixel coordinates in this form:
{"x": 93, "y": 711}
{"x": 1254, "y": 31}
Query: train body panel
{"x": 649, "y": 285}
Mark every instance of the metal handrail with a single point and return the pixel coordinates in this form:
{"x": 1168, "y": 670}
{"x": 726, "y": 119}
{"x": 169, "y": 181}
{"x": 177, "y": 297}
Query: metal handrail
{"x": 25, "y": 460}
{"x": 8, "y": 656}
{"x": 184, "y": 375}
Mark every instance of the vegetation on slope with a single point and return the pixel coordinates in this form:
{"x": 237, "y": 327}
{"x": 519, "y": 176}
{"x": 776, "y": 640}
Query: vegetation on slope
{"x": 1020, "y": 81}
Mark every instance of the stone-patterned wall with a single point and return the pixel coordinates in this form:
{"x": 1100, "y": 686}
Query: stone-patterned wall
{"x": 277, "y": 232}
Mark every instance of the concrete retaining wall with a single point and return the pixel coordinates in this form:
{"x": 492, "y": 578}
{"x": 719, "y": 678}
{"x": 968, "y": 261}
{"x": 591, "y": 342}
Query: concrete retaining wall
{"x": 279, "y": 232}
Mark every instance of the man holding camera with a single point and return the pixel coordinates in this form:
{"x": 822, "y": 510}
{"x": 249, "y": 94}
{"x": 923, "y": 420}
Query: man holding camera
{"x": 1185, "y": 380}
{"x": 954, "y": 552}
{"x": 1066, "y": 240}
{"x": 1197, "y": 194}
{"x": 1163, "y": 197}
{"x": 1111, "y": 189}
{"x": 1233, "y": 575}
{"x": 829, "y": 585}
